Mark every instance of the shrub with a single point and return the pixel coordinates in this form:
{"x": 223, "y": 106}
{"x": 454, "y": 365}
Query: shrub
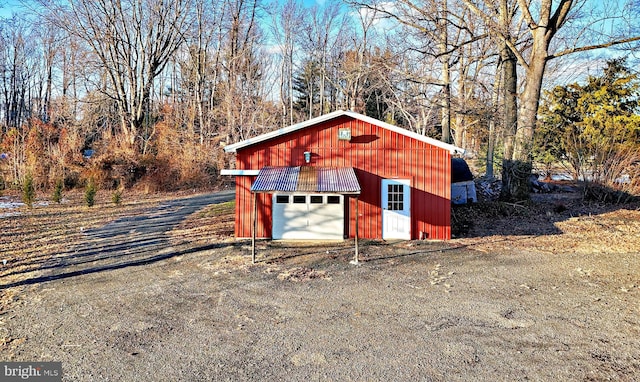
{"x": 57, "y": 191}
{"x": 72, "y": 180}
{"x": 90, "y": 193}
{"x": 28, "y": 190}
{"x": 116, "y": 197}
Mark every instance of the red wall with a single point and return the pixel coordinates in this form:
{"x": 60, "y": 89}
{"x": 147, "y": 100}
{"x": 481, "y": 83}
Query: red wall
{"x": 375, "y": 153}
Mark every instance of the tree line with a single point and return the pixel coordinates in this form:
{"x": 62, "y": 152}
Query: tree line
{"x": 146, "y": 92}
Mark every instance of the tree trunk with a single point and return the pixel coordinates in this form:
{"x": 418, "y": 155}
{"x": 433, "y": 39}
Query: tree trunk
{"x": 529, "y": 110}
{"x": 515, "y": 177}
{"x": 491, "y": 149}
{"x": 515, "y": 180}
{"x": 446, "y": 76}
{"x": 510, "y": 98}
{"x": 446, "y": 103}
{"x": 517, "y": 171}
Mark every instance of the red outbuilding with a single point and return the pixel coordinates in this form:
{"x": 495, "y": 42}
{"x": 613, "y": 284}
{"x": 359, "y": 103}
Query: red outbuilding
{"x": 325, "y": 177}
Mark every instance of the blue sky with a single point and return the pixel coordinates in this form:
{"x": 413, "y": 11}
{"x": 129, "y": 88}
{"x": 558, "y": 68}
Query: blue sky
{"x": 10, "y": 7}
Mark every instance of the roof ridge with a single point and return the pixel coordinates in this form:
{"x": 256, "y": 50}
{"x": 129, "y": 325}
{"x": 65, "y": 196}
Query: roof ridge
{"x": 338, "y": 113}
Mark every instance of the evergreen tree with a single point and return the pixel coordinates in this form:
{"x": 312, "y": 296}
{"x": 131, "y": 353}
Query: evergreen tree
{"x": 28, "y": 190}
{"x": 90, "y": 193}
{"x": 57, "y": 191}
{"x": 595, "y": 126}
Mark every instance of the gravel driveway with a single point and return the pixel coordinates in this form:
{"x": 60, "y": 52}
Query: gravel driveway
{"x": 415, "y": 311}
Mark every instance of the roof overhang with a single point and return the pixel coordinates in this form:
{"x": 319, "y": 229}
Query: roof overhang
{"x": 232, "y": 148}
{"x": 239, "y": 172}
{"x": 307, "y": 179}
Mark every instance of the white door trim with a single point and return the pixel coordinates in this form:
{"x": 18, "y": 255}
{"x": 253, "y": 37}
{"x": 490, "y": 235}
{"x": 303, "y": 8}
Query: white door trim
{"x": 396, "y": 209}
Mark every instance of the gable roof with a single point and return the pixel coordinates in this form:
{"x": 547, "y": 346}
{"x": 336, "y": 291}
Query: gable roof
{"x": 232, "y": 148}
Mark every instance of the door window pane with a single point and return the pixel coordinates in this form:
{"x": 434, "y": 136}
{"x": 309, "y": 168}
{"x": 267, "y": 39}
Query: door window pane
{"x": 395, "y": 197}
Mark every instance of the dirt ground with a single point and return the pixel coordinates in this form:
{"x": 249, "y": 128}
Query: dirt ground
{"x": 546, "y": 291}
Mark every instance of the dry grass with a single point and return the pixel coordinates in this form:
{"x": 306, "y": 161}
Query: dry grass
{"x": 558, "y": 225}
{"x": 214, "y": 223}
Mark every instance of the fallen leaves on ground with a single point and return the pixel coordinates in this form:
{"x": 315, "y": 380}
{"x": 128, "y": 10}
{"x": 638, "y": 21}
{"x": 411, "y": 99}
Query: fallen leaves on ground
{"x": 299, "y": 274}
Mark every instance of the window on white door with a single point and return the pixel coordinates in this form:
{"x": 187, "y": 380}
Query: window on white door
{"x": 396, "y": 197}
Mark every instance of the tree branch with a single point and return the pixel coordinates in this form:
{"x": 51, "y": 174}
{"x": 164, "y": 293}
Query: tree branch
{"x": 592, "y": 47}
{"x": 524, "y": 9}
{"x": 498, "y": 30}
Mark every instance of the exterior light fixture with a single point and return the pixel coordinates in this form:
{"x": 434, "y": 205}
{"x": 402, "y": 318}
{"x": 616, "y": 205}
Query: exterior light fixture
{"x": 307, "y": 156}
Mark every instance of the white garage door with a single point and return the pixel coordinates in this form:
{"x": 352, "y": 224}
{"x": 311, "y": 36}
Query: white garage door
{"x": 308, "y": 216}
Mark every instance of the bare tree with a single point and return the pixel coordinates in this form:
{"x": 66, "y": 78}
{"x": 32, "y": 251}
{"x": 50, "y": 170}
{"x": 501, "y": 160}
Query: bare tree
{"x": 17, "y": 65}
{"x": 324, "y": 25}
{"x": 353, "y": 65}
{"x": 242, "y": 67}
{"x": 196, "y": 70}
{"x": 287, "y": 21}
{"x": 435, "y": 29}
{"x": 20, "y": 85}
{"x": 132, "y": 42}
{"x": 542, "y": 20}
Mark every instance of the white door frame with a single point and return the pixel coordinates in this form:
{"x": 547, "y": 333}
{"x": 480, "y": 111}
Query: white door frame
{"x": 396, "y": 210}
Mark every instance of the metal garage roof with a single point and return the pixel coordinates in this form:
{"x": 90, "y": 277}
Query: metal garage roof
{"x": 307, "y": 179}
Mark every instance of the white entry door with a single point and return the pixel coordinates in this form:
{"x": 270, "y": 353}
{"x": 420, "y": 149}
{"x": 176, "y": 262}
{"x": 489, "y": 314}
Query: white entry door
{"x": 396, "y": 209}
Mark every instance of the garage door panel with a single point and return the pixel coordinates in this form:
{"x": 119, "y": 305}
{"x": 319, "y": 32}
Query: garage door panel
{"x": 326, "y": 221}
{"x": 288, "y": 219}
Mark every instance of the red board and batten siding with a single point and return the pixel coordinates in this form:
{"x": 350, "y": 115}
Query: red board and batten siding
{"x": 375, "y": 153}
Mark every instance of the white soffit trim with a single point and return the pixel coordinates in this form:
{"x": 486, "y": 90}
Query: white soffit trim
{"x": 232, "y": 148}
{"x": 240, "y": 172}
